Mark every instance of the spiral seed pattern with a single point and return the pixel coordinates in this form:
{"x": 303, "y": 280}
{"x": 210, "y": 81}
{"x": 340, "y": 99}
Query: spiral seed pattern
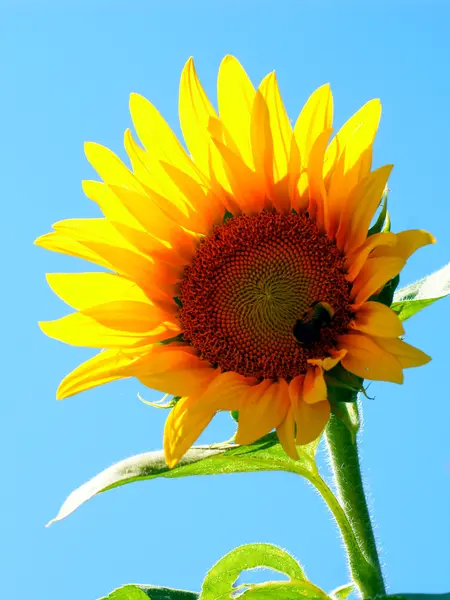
{"x": 248, "y": 284}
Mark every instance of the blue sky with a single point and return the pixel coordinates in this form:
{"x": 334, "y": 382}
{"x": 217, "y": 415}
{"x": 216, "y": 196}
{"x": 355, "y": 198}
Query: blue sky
{"x": 66, "y": 72}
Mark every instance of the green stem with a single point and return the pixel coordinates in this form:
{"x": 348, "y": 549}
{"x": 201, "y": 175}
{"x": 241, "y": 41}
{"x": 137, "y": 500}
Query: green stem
{"x": 344, "y": 458}
{"x": 360, "y": 568}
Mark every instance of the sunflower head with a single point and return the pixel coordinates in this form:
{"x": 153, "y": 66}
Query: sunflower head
{"x": 237, "y": 273}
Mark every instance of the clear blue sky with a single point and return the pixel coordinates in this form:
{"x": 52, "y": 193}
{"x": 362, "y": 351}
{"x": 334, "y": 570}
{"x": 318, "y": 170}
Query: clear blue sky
{"x": 66, "y": 71}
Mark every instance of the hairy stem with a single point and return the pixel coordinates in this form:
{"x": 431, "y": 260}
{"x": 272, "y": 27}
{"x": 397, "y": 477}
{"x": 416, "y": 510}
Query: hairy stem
{"x": 343, "y": 451}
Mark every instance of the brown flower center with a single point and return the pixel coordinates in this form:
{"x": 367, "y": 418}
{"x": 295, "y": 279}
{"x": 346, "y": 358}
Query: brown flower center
{"x": 247, "y": 295}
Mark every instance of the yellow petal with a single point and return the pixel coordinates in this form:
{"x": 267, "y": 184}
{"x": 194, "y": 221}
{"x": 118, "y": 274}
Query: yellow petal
{"x": 367, "y": 359}
{"x": 106, "y": 366}
{"x": 245, "y": 184}
{"x": 328, "y": 362}
{"x": 101, "y": 238}
{"x": 207, "y": 209}
{"x": 236, "y": 95}
{"x": 407, "y": 355}
{"x": 162, "y": 190}
{"x": 157, "y": 137}
{"x": 311, "y": 420}
{"x": 109, "y": 203}
{"x": 354, "y": 137}
{"x": 98, "y": 230}
{"x": 196, "y": 113}
{"x": 177, "y": 193}
{"x": 318, "y": 203}
{"x": 407, "y": 242}
{"x": 112, "y": 325}
{"x": 83, "y": 290}
{"x": 150, "y": 173}
{"x": 314, "y": 386}
{"x": 296, "y": 389}
{"x": 174, "y": 371}
{"x": 182, "y": 428}
{"x": 264, "y": 408}
{"x": 286, "y": 435}
{"x": 225, "y": 392}
{"x": 295, "y": 170}
{"x": 355, "y": 261}
{"x": 154, "y": 220}
{"x": 126, "y": 262}
{"x": 360, "y": 209}
{"x": 347, "y": 171}
{"x": 110, "y": 168}
{"x": 109, "y": 198}
{"x": 57, "y": 241}
{"x": 150, "y": 246}
{"x": 279, "y": 124}
{"x": 375, "y": 273}
{"x": 195, "y": 110}
{"x": 315, "y": 117}
{"x": 377, "y": 319}
{"x": 262, "y": 142}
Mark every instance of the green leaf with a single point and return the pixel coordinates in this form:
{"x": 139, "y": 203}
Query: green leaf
{"x": 414, "y": 597}
{"x": 127, "y": 592}
{"x": 284, "y": 590}
{"x": 219, "y": 580}
{"x": 144, "y": 592}
{"x": 264, "y": 455}
{"x": 414, "y": 297}
{"x": 342, "y": 592}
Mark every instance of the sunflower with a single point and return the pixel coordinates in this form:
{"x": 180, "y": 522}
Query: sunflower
{"x": 236, "y": 274}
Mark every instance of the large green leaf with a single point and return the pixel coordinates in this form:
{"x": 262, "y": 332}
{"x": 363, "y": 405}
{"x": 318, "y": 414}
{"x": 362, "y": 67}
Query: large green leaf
{"x": 415, "y": 297}
{"x": 264, "y": 455}
{"x": 219, "y": 581}
{"x": 144, "y": 592}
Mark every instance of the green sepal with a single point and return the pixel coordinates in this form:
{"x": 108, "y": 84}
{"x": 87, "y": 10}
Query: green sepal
{"x": 177, "y": 301}
{"x": 343, "y": 386}
{"x": 343, "y": 389}
{"x": 386, "y": 295}
{"x": 383, "y": 222}
{"x": 160, "y": 404}
{"x": 227, "y": 216}
{"x": 235, "y": 415}
{"x": 177, "y": 338}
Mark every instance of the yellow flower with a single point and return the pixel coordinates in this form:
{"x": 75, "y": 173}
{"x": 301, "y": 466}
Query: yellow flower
{"x": 250, "y": 254}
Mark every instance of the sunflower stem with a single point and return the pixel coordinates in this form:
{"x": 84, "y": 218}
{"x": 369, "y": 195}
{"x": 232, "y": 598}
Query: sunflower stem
{"x": 343, "y": 451}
